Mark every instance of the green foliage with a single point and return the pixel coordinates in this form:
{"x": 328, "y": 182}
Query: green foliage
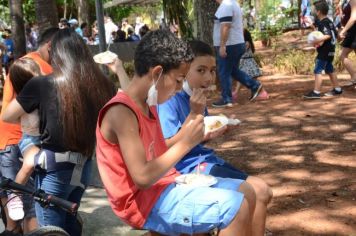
{"x": 28, "y": 7}
{"x": 295, "y": 62}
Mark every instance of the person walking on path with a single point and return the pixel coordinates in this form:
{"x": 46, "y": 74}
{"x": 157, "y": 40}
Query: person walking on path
{"x": 326, "y": 50}
{"x": 230, "y": 46}
{"x": 348, "y": 35}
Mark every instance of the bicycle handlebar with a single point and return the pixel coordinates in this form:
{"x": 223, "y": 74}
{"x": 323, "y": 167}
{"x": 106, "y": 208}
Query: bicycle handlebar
{"x": 39, "y": 195}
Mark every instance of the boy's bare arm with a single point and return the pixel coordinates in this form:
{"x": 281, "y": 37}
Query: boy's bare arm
{"x": 145, "y": 172}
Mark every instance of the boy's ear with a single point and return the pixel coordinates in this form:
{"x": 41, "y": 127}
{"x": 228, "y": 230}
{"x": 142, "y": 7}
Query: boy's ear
{"x": 156, "y": 72}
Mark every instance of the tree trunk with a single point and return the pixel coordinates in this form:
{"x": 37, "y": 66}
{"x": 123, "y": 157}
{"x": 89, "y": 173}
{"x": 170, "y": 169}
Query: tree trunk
{"x": 83, "y": 11}
{"x": 204, "y": 12}
{"x": 18, "y": 28}
{"x": 46, "y": 14}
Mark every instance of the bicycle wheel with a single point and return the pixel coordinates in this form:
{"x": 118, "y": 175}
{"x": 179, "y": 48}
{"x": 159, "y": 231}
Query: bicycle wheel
{"x": 48, "y": 231}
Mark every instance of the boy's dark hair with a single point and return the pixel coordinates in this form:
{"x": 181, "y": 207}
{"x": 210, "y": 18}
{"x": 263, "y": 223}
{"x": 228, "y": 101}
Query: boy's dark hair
{"x": 161, "y": 47}
{"x": 47, "y": 35}
{"x": 21, "y": 71}
{"x": 143, "y": 30}
{"x": 200, "y": 48}
{"x": 322, "y": 6}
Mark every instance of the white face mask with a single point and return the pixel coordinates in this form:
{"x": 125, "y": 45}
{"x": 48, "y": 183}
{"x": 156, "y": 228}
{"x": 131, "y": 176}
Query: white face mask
{"x": 152, "y": 96}
{"x": 186, "y": 88}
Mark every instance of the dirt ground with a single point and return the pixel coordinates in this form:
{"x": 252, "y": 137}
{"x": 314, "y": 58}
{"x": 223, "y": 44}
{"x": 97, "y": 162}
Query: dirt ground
{"x": 305, "y": 150}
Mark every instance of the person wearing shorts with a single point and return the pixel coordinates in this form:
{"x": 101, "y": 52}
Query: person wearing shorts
{"x": 348, "y": 35}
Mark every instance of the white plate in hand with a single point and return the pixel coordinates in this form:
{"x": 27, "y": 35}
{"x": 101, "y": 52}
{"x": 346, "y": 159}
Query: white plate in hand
{"x": 215, "y": 123}
{"x": 196, "y": 180}
{"x": 105, "y": 57}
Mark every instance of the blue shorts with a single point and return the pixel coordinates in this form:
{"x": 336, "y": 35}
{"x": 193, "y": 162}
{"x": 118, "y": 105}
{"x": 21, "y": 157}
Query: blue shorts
{"x": 10, "y": 165}
{"x": 28, "y": 141}
{"x": 190, "y": 210}
{"x": 322, "y": 65}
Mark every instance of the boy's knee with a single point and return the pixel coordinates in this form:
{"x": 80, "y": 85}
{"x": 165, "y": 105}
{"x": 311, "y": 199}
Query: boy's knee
{"x": 263, "y": 191}
{"x": 248, "y": 191}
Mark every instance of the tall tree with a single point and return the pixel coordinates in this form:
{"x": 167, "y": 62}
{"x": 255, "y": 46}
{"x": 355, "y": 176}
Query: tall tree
{"x": 46, "y": 14}
{"x": 18, "y": 28}
{"x": 83, "y": 11}
{"x": 204, "y": 14}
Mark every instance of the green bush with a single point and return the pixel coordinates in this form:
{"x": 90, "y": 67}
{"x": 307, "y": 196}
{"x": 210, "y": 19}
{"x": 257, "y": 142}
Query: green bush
{"x": 295, "y": 62}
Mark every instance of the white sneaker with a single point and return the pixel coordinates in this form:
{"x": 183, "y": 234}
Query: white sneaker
{"x": 15, "y": 207}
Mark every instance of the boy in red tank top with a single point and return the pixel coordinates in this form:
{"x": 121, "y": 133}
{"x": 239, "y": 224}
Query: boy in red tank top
{"x": 136, "y": 166}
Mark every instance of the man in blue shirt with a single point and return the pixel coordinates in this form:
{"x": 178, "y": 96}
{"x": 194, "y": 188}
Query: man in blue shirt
{"x": 183, "y": 107}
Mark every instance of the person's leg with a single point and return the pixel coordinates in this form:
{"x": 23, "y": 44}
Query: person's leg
{"x": 236, "y": 53}
{"x": 72, "y": 224}
{"x": 185, "y": 210}
{"x": 224, "y": 71}
{"x": 261, "y": 191}
{"x": 56, "y": 183}
{"x": 318, "y": 70}
{"x": 348, "y": 63}
{"x": 10, "y": 165}
{"x": 264, "y": 195}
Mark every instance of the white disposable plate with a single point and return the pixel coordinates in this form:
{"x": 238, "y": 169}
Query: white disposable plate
{"x": 215, "y": 123}
{"x": 196, "y": 180}
{"x": 105, "y": 57}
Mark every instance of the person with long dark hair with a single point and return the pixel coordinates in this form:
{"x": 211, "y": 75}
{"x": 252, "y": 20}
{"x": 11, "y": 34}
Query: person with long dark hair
{"x": 69, "y": 101}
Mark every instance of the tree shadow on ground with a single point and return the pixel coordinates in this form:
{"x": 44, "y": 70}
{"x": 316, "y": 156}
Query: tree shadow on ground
{"x": 305, "y": 150}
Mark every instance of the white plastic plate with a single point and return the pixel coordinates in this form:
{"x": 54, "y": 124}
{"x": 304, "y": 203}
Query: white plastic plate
{"x": 105, "y": 57}
{"x": 196, "y": 180}
{"x": 215, "y": 123}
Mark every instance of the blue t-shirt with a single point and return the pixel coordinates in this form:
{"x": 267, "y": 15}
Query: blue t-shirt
{"x": 172, "y": 115}
{"x": 9, "y": 51}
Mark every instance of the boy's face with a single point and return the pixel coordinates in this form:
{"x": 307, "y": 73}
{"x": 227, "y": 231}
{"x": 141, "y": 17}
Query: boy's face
{"x": 171, "y": 82}
{"x": 202, "y": 72}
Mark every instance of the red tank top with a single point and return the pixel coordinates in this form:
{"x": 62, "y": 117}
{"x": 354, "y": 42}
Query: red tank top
{"x": 129, "y": 203}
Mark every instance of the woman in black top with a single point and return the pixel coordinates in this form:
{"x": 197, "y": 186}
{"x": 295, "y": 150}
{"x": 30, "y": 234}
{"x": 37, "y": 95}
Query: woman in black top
{"x": 348, "y": 34}
{"x": 68, "y": 101}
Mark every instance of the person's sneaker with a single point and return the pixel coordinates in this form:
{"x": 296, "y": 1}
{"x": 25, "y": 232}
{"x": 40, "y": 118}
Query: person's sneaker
{"x": 312, "y": 95}
{"x": 263, "y": 95}
{"x": 15, "y": 207}
{"x": 256, "y": 93}
{"x": 222, "y": 103}
{"x": 333, "y": 92}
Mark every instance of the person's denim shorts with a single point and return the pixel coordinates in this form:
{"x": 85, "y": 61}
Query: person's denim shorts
{"x": 10, "y": 165}
{"x": 190, "y": 210}
{"x": 28, "y": 141}
{"x": 322, "y": 65}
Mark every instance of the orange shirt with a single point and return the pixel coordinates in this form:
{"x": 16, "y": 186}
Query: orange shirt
{"x": 10, "y": 134}
{"x": 131, "y": 204}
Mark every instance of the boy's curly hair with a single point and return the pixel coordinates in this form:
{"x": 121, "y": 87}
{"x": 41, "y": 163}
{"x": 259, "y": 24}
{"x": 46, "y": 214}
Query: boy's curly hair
{"x": 161, "y": 47}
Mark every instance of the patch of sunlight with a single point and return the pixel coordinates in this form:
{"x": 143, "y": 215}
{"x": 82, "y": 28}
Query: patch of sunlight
{"x": 329, "y": 176}
{"x": 340, "y": 127}
{"x": 271, "y": 179}
{"x": 285, "y": 121}
{"x": 297, "y": 174}
{"x": 289, "y": 158}
{"x": 328, "y": 186}
{"x": 259, "y": 164}
{"x": 311, "y": 220}
{"x": 350, "y": 136}
{"x": 310, "y": 128}
{"x": 291, "y": 143}
{"x": 269, "y": 139}
{"x": 256, "y": 118}
{"x": 288, "y": 190}
{"x": 289, "y": 149}
{"x": 231, "y": 144}
{"x": 265, "y": 131}
{"x": 327, "y": 156}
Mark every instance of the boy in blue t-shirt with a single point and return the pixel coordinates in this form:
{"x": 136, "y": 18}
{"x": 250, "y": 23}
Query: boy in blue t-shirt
{"x": 326, "y": 51}
{"x": 180, "y": 109}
